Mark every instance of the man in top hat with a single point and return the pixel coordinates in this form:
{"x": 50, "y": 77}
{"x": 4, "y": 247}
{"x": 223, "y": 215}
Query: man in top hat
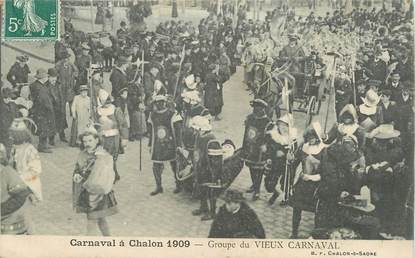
{"x": 83, "y": 63}
{"x": 19, "y": 72}
{"x": 369, "y": 111}
{"x": 59, "y": 105}
{"x": 236, "y": 219}
{"x": 164, "y": 140}
{"x": 254, "y": 144}
{"x": 67, "y": 75}
{"x": 394, "y": 85}
{"x": 43, "y": 109}
{"x": 118, "y": 77}
{"x": 295, "y": 54}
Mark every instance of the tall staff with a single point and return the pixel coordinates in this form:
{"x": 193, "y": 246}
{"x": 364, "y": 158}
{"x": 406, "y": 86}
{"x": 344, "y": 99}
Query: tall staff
{"x": 331, "y": 91}
{"x": 180, "y": 70}
{"x": 142, "y": 78}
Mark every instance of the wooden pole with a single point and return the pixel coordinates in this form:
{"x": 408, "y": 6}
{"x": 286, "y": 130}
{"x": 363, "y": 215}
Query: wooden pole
{"x": 92, "y": 15}
{"x": 331, "y": 92}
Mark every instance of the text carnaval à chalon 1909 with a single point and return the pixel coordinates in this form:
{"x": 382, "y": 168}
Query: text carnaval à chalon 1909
{"x": 274, "y": 244}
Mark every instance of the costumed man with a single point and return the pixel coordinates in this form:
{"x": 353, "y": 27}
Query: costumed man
{"x": 369, "y": 115}
{"x": 294, "y": 54}
{"x": 14, "y": 194}
{"x": 236, "y": 219}
{"x": 59, "y": 105}
{"x": 165, "y": 138}
{"x": 347, "y": 124}
{"x": 192, "y": 108}
{"x": 307, "y": 179}
{"x": 114, "y": 128}
{"x": 254, "y": 144}
{"x": 43, "y": 110}
{"x": 281, "y": 145}
{"x": 19, "y": 72}
{"x": 342, "y": 202}
{"x": 201, "y": 162}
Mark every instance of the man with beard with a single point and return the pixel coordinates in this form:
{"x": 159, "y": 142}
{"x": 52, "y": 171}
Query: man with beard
{"x": 19, "y": 72}
{"x": 378, "y": 67}
{"x": 59, "y": 106}
{"x": 254, "y": 144}
{"x": 43, "y": 110}
{"x": 165, "y": 138}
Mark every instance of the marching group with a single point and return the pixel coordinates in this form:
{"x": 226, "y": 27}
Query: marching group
{"x": 167, "y": 86}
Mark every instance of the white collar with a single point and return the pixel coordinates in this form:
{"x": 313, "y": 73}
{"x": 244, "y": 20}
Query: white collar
{"x": 365, "y": 110}
{"x": 313, "y": 149}
{"x": 236, "y": 211}
{"x": 106, "y": 110}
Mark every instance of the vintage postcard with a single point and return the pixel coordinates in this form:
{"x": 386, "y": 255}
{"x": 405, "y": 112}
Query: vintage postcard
{"x": 211, "y": 128}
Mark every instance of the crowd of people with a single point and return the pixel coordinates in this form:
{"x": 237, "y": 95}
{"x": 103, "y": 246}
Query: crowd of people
{"x": 167, "y": 85}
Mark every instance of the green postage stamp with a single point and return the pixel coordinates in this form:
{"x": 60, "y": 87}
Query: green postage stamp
{"x": 31, "y": 19}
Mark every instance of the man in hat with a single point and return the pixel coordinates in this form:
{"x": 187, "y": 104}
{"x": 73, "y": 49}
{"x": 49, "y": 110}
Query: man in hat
{"x": 165, "y": 137}
{"x": 369, "y": 111}
{"x": 118, "y": 77}
{"x": 405, "y": 66}
{"x": 67, "y": 76}
{"x": 236, "y": 219}
{"x": 405, "y": 123}
{"x": 8, "y": 112}
{"x": 202, "y": 173}
{"x": 254, "y": 144}
{"x": 43, "y": 109}
{"x": 344, "y": 90}
{"x": 385, "y": 156}
{"x": 343, "y": 173}
{"x": 213, "y": 98}
{"x": 59, "y": 105}
{"x": 378, "y": 67}
{"x": 294, "y": 54}
{"x": 394, "y": 85}
{"x": 388, "y": 109}
{"x": 114, "y": 128}
{"x": 122, "y": 32}
{"x": 19, "y": 72}
{"x": 83, "y": 63}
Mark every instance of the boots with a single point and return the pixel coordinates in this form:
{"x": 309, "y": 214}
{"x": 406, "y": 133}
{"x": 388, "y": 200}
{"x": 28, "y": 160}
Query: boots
{"x": 157, "y": 177}
{"x": 178, "y": 188}
{"x": 273, "y": 198}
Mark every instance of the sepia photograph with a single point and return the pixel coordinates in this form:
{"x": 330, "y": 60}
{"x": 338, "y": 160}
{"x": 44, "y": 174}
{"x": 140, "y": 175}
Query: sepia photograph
{"x": 233, "y": 119}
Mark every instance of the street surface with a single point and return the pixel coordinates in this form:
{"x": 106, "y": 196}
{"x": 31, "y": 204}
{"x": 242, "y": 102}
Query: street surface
{"x": 164, "y": 215}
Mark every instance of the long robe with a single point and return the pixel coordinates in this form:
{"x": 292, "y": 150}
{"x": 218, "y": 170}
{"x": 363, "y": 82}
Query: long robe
{"x": 81, "y": 113}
